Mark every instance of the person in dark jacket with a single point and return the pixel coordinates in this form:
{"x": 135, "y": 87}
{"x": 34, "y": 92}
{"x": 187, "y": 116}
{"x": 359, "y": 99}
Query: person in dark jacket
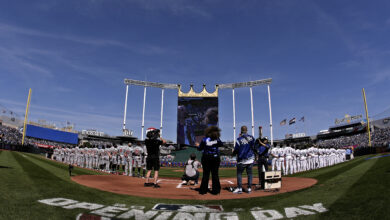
{"x": 244, "y": 149}
{"x": 210, "y": 160}
{"x": 262, "y": 147}
{"x": 153, "y": 142}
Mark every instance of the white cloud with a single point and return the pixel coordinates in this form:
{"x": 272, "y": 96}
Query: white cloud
{"x": 136, "y": 47}
{"x": 18, "y": 60}
{"x": 175, "y": 7}
{"x": 380, "y": 76}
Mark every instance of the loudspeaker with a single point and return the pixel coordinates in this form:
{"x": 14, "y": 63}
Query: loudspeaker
{"x": 273, "y": 180}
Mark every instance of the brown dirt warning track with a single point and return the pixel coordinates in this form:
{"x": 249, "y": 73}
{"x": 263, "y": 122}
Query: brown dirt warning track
{"x": 171, "y": 188}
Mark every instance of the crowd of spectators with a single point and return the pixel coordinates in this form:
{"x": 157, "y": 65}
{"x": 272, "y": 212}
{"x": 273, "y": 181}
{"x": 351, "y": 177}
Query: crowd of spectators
{"x": 380, "y": 137}
{"x": 11, "y": 138}
{"x": 100, "y": 144}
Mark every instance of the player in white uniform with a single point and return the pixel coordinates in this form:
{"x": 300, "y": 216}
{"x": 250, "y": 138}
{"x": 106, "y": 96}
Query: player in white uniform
{"x": 129, "y": 160}
{"x": 137, "y": 159}
{"x": 275, "y": 155}
{"x": 73, "y": 156}
{"x": 106, "y": 159}
{"x": 289, "y": 160}
{"x": 91, "y": 158}
{"x": 280, "y": 166}
{"x": 143, "y": 164}
{"x": 303, "y": 160}
{"x": 121, "y": 156}
{"x": 114, "y": 159}
{"x": 62, "y": 154}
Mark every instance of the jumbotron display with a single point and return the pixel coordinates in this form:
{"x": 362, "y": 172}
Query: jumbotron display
{"x": 194, "y": 115}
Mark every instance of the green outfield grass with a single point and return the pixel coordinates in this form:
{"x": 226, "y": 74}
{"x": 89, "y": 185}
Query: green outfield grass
{"x": 357, "y": 189}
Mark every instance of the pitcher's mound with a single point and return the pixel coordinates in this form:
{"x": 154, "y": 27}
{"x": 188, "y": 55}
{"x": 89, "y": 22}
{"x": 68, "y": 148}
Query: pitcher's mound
{"x": 171, "y": 188}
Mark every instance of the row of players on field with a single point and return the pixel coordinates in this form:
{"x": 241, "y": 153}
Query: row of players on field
{"x": 107, "y": 159}
{"x": 290, "y": 160}
{"x": 133, "y": 158}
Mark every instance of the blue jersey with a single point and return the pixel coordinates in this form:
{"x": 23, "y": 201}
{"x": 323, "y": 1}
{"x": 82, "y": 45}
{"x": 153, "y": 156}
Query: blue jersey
{"x": 210, "y": 147}
{"x": 261, "y": 150}
{"x": 244, "y": 147}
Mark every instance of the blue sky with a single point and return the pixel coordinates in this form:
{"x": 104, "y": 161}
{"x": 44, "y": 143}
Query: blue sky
{"x": 75, "y": 54}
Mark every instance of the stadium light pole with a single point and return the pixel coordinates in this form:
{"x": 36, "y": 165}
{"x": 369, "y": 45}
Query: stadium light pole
{"x": 125, "y": 113}
{"x": 270, "y": 115}
{"x": 143, "y": 115}
{"x": 234, "y": 119}
{"x": 253, "y": 122}
{"x": 162, "y": 109}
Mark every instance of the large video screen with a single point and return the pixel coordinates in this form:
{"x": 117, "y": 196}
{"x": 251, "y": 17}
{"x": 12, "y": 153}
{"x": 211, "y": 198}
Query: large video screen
{"x": 51, "y": 134}
{"x": 194, "y": 115}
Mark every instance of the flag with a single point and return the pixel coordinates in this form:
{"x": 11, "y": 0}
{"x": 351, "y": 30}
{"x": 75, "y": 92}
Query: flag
{"x": 302, "y": 119}
{"x": 292, "y": 121}
{"x": 283, "y": 122}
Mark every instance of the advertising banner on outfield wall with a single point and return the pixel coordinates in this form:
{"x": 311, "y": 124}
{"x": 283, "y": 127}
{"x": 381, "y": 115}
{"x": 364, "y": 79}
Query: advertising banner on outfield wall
{"x": 51, "y": 134}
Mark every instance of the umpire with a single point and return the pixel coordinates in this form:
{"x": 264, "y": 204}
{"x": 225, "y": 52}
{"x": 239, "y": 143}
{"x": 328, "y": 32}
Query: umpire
{"x": 262, "y": 147}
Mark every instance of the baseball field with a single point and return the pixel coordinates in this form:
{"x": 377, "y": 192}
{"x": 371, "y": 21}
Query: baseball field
{"x": 32, "y": 187}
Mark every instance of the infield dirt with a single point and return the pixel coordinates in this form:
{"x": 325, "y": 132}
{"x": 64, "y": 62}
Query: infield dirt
{"x": 171, "y": 188}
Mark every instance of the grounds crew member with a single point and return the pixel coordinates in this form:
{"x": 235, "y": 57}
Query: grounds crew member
{"x": 191, "y": 173}
{"x": 153, "y": 142}
{"x": 245, "y": 157}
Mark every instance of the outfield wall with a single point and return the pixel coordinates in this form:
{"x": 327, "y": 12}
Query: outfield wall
{"x": 51, "y": 134}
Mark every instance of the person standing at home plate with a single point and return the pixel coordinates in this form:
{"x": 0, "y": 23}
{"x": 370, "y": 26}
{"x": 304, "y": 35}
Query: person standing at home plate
{"x": 244, "y": 149}
{"x": 211, "y": 160}
{"x": 153, "y": 142}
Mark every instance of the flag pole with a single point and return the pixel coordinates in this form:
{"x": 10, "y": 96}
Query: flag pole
{"x": 368, "y": 119}
{"x": 26, "y": 115}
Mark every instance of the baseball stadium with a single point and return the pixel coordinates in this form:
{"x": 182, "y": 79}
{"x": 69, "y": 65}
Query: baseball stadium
{"x": 194, "y": 110}
{"x": 64, "y": 174}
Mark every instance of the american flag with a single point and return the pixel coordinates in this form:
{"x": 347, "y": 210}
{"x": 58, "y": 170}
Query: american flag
{"x": 284, "y": 122}
{"x": 292, "y": 121}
